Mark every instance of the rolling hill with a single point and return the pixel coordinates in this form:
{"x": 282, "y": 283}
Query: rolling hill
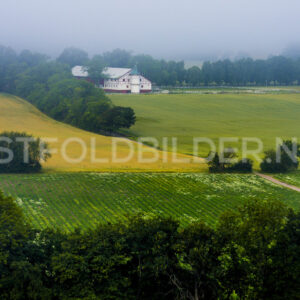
{"x": 18, "y": 115}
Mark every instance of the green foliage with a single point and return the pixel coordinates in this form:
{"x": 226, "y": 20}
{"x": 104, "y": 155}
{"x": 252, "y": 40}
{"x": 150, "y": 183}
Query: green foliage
{"x": 119, "y": 117}
{"x": 285, "y": 264}
{"x": 117, "y": 58}
{"x": 252, "y": 254}
{"x": 247, "y": 237}
{"x": 282, "y": 160}
{"x": 76, "y": 102}
{"x": 244, "y": 165}
{"x": 196, "y": 274}
{"x": 20, "y": 274}
{"x": 22, "y": 153}
{"x": 95, "y": 68}
{"x": 277, "y": 70}
{"x": 151, "y": 242}
{"x": 225, "y": 163}
{"x": 73, "y": 56}
{"x": 52, "y": 89}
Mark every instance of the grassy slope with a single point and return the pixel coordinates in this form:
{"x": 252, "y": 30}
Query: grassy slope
{"x": 70, "y": 200}
{"x": 291, "y": 178}
{"x": 18, "y": 115}
{"x": 184, "y": 116}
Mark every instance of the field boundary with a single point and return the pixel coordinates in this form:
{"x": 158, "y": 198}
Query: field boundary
{"x": 278, "y": 182}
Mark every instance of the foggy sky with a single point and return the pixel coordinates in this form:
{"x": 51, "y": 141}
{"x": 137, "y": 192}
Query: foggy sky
{"x": 183, "y": 29}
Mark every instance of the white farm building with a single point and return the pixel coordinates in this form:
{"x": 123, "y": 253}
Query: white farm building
{"x": 118, "y": 80}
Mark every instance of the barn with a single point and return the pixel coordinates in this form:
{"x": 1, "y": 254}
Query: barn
{"x": 118, "y": 80}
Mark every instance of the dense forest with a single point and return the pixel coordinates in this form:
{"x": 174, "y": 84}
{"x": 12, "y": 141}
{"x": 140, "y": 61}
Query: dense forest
{"x": 252, "y": 253}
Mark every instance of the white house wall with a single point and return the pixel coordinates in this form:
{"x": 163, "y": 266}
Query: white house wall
{"x": 124, "y": 84}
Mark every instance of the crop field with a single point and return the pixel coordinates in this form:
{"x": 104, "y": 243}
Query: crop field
{"x": 291, "y": 178}
{"x": 18, "y": 115}
{"x": 186, "y": 116}
{"x": 69, "y": 200}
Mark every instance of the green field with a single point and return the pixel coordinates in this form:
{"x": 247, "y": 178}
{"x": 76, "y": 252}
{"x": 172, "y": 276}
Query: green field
{"x": 193, "y": 115}
{"x": 17, "y": 114}
{"x": 292, "y": 178}
{"x": 69, "y": 200}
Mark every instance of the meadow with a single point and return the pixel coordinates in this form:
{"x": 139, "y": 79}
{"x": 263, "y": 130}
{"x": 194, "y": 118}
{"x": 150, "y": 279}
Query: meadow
{"x": 182, "y": 116}
{"x": 17, "y": 114}
{"x": 69, "y": 200}
{"x": 292, "y": 178}
{"x": 265, "y": 116}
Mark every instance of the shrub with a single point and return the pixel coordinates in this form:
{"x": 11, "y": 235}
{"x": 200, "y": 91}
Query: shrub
{"x": 217, "y": 165}
{"x": 244, "y": 165}
{"x": 21, "y": 153}
{"x": 280, "y": 161}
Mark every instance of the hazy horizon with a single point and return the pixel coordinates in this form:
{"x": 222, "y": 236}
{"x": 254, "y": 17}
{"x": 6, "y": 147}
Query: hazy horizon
{"x": 192, "y": 30}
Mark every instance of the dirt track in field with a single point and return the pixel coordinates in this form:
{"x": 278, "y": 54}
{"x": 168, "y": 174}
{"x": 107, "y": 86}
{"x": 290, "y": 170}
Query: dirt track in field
{"x": 270, "y": 178}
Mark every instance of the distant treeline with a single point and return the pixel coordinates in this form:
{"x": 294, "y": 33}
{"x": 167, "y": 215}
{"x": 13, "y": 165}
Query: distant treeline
{"x": 277, "y": 70}
{"x": 50, "y": 86}
{"x": 252, "y": 253}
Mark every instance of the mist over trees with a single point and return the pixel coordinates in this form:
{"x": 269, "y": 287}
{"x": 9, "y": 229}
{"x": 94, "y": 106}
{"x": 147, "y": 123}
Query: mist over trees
{"x": 73, "y": 56}
{"x": 292, "y": 51}
{"x": 277, "y": 70}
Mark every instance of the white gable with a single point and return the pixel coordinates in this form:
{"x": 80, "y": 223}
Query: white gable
{"x": 115, "y": 73}
{"x": 80, "y": 71}
{"x": 122, "y": 80}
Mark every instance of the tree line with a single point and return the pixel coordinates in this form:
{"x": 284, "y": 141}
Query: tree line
{"x": 49, "y": 85}
{"x": 277, "y": 70}
{"x": 252, "y": 253}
